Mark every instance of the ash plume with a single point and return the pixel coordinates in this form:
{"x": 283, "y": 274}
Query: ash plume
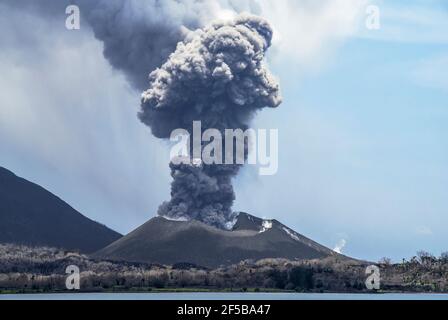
{"x": 137, "y": 35}
{"x": 217, "y": 76}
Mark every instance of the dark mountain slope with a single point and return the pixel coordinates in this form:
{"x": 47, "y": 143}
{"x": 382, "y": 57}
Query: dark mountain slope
{"x": 31, "y": 215}
{"x": 168, "y": 242}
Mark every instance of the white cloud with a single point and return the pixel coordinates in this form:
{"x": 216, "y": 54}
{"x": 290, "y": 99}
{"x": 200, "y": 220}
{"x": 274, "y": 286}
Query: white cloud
{"x": 306, "y": 31}
{"x": 424, "y": 231}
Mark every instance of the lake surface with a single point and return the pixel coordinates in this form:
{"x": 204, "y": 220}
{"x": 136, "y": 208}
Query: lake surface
{"x": 221, "y": 296}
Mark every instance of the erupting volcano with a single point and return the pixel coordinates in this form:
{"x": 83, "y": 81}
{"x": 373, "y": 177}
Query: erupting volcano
{"x": 216, "y": 76}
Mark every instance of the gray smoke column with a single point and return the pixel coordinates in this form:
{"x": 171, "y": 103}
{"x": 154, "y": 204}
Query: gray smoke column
{"x": 137, "y": 35}
{"x": 217, "y": 76}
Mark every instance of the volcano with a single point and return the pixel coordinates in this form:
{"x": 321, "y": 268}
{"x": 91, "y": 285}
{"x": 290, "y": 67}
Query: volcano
{"x": 168, "y": 242}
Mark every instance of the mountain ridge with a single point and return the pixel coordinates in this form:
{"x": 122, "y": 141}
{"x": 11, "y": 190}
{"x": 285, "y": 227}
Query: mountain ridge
{"x": 168, "y": 242}
{"x": 31, "y": 215}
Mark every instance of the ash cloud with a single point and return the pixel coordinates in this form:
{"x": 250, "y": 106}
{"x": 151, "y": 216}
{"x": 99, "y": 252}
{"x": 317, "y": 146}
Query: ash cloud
{"x": 137, "y": 35}
{"x": 217, "y": 76}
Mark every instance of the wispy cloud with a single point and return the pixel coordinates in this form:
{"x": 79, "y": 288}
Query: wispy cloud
{"x": 411, "y": 22}
{"x": 424, "y": 231}
{"x": 306, "y": 31}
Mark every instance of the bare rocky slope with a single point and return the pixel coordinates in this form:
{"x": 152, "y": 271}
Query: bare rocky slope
{"x": 169, "y": 242}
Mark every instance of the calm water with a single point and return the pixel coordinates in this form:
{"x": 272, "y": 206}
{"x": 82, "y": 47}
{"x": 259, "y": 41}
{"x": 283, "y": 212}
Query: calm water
{"x": 222, "y": 296}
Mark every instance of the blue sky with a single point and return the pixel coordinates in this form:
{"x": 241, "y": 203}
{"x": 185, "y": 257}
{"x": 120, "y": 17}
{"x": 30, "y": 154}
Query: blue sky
{"x": 363, "y": 135}
{"x": 371, "y": 144}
